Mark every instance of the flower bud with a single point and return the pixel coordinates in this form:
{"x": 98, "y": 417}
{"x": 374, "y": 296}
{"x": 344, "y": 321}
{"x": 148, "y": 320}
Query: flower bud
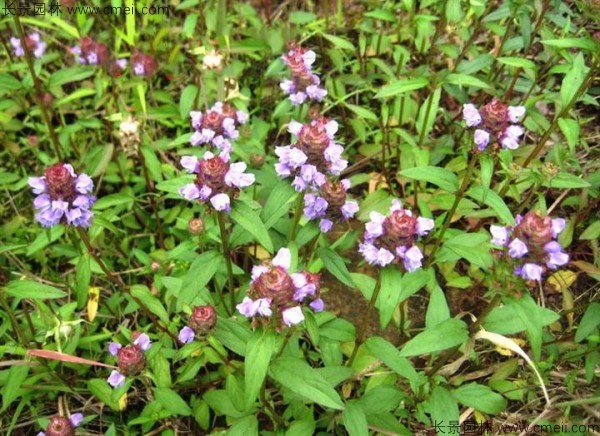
{"x": 275, "y": 284}
{"x": 257, "y": 160}
{"x": 335, "y": 194}
{"x": 60, "y": 182}
{"x": 196, "y": 226}
{"x": 535, "y": 231}
{"x": 203, "y": 319}
{"x": 212, "y": 173}
{"x": 60, "y": 426}
{"x": 131, "y": 360}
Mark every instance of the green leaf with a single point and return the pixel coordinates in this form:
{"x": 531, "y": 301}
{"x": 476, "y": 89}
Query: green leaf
{"x": 232, "y": 335}
{"x": 516, "y": 62}
{"x": 83, "y": 276}
{"x": 33, "y": 290}
{"x": 570, "y": 43}
{"x": 69, "y": 75}
{"x": 277, "y": 204}
{"x": 338, "y": 42}
{"x": 335, "y": 265}
{"x": 446, "y": 334}
{"x": 187, "y": 101}
{"x": 474, "y": 247}
{"x": 505, "y": 321}
{"x": 171, "y": 401}
{"x": 441, "y": 177}
{"x": 401, "y": 86}
{"x": 493, "y": 200}
{"x": 201, "y": 271}
{"x": 589, "y": 322}
{"x": 480, "y": 398}
{"x": 8, "y": 83}
{"x": 173, "y": 185}
{"x": 114, "y": 200}
{"x": 362, "y": 112}
{"x": 15, "y": 378}
{"x": 302, "y": 379}
{"x": 389, "y": 294}
{"x": 428, "y": 114}
{"x": 486, "y": 165}
{"x": 573, "y": 80}
{"x": 301, "y": 428}
{"x": 45, "y": 238}
{"x": 392, "y": 358}
{"x": 246, "y": 426}
{"x": 592, "y": 232}
{"x": 102, "y": 390}
{"x": 570, "y": 128}
{"x": 76, "y": 95}
{"x": 566, "y": 180}
{"x": 251, "y": 222}
{"x": 355, "y": 420}
{"x": 259, "y": 350}
{"x": 437, "y": 309}
{"x": 524, "y": 308}
{"x": 301, "y": 17}
{"x": 466, "y": 80}
{"x": 442, "y": 406}
{"x": 143, "y": 294}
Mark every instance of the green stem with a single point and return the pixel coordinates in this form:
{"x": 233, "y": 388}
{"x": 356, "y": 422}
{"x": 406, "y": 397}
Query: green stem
{"x": 362, "y": 329}
{"x": 227, "y": 255}
{"x": 297, "y": 215}
{"x": 459, "y": 196}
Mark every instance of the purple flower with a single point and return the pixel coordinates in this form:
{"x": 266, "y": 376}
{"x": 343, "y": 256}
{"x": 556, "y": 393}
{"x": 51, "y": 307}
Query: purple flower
{"x": 515, "y": 113}
{"x": 556, "y": 257}
{"x": 303, "y": 83}
{"x": 530, "y": 271}
{"x": 216, "y": 124}
{"x": 499, "y": 235}
{"x": 317, "y": 305}
{"x": 482, "y": 139}
{"x": 113, "y": 348}
{"x": 116, "y": 379}
{"x": 392, "y": 238}
{"x": 76, "y": 419}
{"x": 471, "y": 115}
{"x": 247, "y": 307}
{"x": 221, "y": 202}
{"x": 33, "y": 43}
{"x": 292, "y": 316}
{"x": 315, "y": 207}
{"x": 494, "y": 121}
{"x": 236, "y": 176}
{"x": 325, "y": 225}
{"x": 59, "y": 425}
{"x": 63, "y": 196}
{"x": 186, "y": 335}
{"x": 517, "y": 248}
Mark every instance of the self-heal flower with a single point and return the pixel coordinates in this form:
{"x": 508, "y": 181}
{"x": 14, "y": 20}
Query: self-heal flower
{"x": 62, "y": 426}
{"x": 33, "y": 43}
{"x": 303, "y": 84}
{"x": 392, "y": 238}
{"x": 217, "y": 126}
{"x": 497, "y": 122}
{"x": 63, "y": 196}
{"x": 274, "y": 290}
{"x": 130, "y": 358}
{"x": 202, "y": 320}
{"x": 532, "y": 244}
{"x": 216, "y": 179}
{"x": 329, "y": 204}
{"x": 143, "y": 64}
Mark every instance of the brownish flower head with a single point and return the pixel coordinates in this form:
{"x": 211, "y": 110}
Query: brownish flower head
{"x": 494, "y": 117}
{"x": 203, "y": 319}
{"x": 257, "y": 160}
{"x": 60, "y": 426}
{"x": 60, "y": 182}
{"x": 400, "y": 229}
{"x": 212, "y": 174}
{"x": 131, "y": 360}
{"x": 335, "y": 194}
{"x": 535, "y": 231}
{"x": 196, "y": 226}
{"x": 213, "y": 120}
{"x": 313, "y": 138}
{"x": 275, "y": 284}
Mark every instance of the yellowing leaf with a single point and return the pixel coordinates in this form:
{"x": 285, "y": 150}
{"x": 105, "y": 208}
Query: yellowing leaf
{"x": 562, "y": 280}
{"x": 259, "y": 252}
{"x": 505, "y": 351}
{"x": 93, "y": 301}
{"x": 123, "y": 402}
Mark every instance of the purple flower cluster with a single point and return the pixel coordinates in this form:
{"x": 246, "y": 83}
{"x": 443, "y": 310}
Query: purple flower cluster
{"x": 329, "y": 204}
{"x": 274, "y": 289}
{"x": 63, "y": 196}
{"x": 303, "y": 83}
{"x": 90, "y": 52}
{"x": 533, "y": 242}
{"x": 62, "y": 426}
{"x": 130, "y": 359}
{"x": 33, "y": 42}
{"x": 392, "y": 238}
{"x": 216, "y": 179}
{"x": 495, "y": 121}
{"x": 312, "y": 156}
{"x": 217, "y": 126}
{"x": 202, "y": 321}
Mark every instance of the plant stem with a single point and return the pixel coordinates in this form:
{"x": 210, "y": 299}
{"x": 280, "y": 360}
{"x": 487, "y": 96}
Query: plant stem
{"x": 472, "y": 329}
{"x": 38, "y": 89}
{"x": 119, "y": 283}
{"x": 362, "y": 329}
{"x": 297, "y": 215}
{"x": 459, "y": 196}
{"x": 227, "y": 255}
